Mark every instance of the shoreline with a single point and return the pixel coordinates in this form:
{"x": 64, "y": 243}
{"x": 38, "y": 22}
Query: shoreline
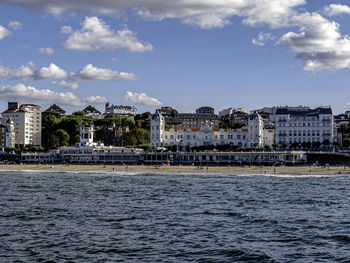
{"x": 293, "y": 170}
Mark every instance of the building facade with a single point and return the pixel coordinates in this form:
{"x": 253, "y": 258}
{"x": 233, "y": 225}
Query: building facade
{"x": 122, "y": 111}
{"x": 7, "y": 134}
{"x": 304, "y": 125}
{"x": 254, "y": 135}
{"x": 27, "y": 122}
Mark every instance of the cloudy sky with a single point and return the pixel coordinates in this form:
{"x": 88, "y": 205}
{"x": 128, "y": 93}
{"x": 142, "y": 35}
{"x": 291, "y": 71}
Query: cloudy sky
{"x": 185, "y": 53}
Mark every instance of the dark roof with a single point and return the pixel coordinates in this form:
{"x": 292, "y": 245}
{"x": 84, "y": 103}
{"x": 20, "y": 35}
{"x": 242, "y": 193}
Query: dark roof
{"x": 311, "y": 112}
{"x": 254, "y": 116}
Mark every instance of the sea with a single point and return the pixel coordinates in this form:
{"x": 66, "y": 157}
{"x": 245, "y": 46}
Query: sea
{"x": 50, "y": 216}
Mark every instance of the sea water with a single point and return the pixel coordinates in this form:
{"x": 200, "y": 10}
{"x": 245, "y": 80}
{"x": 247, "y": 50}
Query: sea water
{"x": 154, "y": 217}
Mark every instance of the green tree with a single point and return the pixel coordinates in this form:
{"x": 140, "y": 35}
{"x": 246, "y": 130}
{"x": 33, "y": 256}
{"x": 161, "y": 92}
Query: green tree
{"x": 284, "y": 145}
{"x": 63, "y": 137}
{"x": 275, "y": 146}
{"x": 79, "y": 113}
{"x": 224, "y": 123}
{"x": 127, "y": 122}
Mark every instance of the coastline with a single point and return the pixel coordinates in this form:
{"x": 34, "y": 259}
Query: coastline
{"x": 295, "y": 170}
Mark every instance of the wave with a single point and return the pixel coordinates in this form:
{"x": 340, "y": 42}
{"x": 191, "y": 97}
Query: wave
{"x": 189, "y": 173}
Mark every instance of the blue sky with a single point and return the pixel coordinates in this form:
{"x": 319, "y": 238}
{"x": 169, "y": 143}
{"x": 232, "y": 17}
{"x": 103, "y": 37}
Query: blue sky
{"x": 185, "y": 55}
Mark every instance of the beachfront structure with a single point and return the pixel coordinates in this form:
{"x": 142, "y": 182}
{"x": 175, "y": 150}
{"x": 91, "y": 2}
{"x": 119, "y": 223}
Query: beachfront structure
{"x": 122, "y": 111}
{"x": 7, "y": 134}
{"x": 27, "y": 122}
{"x": 301, "y": 125}
{"x": 254, "y": 135}
{"x": 88, "y": 151}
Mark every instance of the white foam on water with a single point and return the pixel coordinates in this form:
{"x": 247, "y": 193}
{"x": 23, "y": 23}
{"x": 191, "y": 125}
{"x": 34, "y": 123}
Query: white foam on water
{"x": 164, "y": 173}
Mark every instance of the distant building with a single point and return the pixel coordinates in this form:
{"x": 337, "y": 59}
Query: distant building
{"x": 303, "y": 124}
{"x": 122, "y": 111}
{"x": 55, "y": 110}
{"x": 92, "y": 112}
{"x": 171, "y": 116}
{"x": 27, "y": 122}
{"x": 7, "y": 134}
{"x": 235, "y": 117}
{"x": 341, "y": 119}
{"x": 203, "y": 116}
{"x": 205, "y": 110}
{"x": 252, "y": 136}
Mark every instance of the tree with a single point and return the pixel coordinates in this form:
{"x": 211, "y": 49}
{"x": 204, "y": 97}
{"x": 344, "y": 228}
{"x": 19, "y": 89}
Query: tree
{"x": 326, "y": 142}
{"x": 284, "y": 145}
{"x": 63, "y": 137}
{"x": 168, "y": 126}
{"x": 127, "y": 122}
{"x": 275, "y": 145}
{"x": 316, "y": 145}
{"x": 295, "y": 145}
{"x": 79, "y": 113}
{"x": 346, "y": 142}
{"x": 224, "y": 123}
{"x": 306, "y": 145}
{"x": 11, "y": 149}
{"x": 267, "y": 148}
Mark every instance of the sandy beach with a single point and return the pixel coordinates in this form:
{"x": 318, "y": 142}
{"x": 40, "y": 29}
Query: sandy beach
{"x": 299, "y": 170}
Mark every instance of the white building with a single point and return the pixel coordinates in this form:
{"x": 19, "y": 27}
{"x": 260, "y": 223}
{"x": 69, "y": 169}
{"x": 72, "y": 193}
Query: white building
{"x": 304, "y": 125}
{"x": 122, "y": 111}
{"x": 230, "y": 111}
{"x": 252, "y": 136}
{"x": 27, "y": 122}
{"x": 7, "y": 134}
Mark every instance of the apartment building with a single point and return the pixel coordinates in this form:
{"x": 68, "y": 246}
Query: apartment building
{"x": 26, "y": 120}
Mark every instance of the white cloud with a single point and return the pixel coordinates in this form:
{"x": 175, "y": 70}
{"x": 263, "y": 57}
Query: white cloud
{"x": 66, "y": 30}
{"x": 24, "y": 71}
{"x": 27, "y": 71}
{"x": 51, "y": 72}
{"x": 262, "y": 39}
{"x": 46, "y": 50}
{"x": 4, "y": 71}
{"x": 15, "y": 25}
{"x": 95, "y": 35}
{"x": 141, "y": 98}
{"x": 32, "y": 94}
{"x": 203, "y": 13}
{"x": 66, "y": 84}
{"x": 336, "y": 9}
{"x": 90, "y": 72}
{"x": 94, "y": 100}
{"x": 3, "y": 32}
{"x": 320, "y": 46}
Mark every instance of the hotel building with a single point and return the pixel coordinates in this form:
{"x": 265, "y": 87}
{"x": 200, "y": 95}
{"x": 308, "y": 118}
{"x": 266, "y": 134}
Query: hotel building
{"x": 254, "y": 135}
{"x": 27, "y": 122}
{"x": 304, "y": 125}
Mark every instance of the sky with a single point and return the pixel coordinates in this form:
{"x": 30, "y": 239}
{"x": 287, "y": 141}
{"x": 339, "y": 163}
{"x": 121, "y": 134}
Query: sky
{"x": 184, "y": 54}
